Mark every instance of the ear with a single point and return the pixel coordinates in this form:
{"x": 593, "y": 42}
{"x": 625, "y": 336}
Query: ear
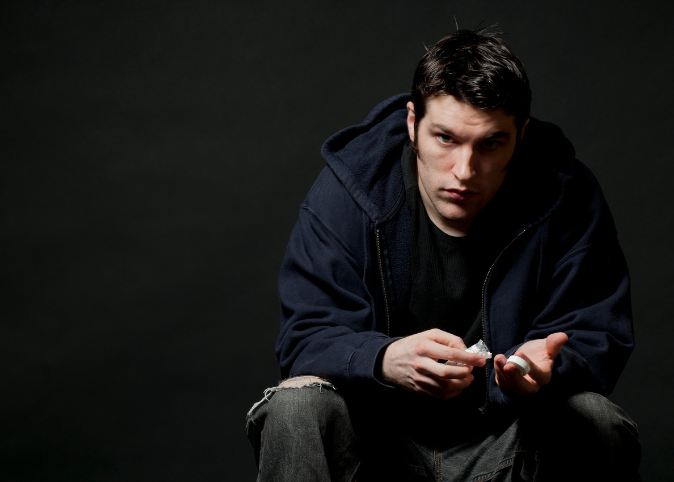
{"x": 411, "y": 117}
{"x": 524, "y": 126}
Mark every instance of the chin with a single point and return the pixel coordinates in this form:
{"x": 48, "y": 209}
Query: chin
{"x": 457, "y": 216}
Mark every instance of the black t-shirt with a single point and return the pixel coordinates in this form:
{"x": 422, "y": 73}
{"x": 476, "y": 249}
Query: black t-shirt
{"x": 448, "y": 274}
{"x": 447, "y": 271}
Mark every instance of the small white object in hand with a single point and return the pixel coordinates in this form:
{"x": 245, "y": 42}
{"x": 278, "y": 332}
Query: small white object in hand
{"x": 478, "y": 348}
{"x": 521, "y": 364}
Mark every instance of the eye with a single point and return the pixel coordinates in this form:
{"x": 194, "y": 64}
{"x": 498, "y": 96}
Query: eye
{"x": 445, "y": 139}
{"x": 490, "y": 144}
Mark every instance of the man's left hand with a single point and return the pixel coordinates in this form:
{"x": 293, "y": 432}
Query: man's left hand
{"x": 540, "y": 354}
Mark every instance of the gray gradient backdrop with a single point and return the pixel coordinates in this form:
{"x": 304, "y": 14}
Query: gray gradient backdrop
{"x": 154, "y": 156}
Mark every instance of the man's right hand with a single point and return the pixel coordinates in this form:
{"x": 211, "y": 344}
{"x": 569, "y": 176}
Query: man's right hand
{"x": 411, "y": 363}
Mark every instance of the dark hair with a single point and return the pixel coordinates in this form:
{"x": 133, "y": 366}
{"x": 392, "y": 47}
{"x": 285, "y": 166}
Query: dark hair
{"x": 478, "y": 69}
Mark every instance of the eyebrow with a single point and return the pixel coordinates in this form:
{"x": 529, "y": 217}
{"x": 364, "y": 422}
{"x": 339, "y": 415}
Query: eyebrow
{"x": 490, "y": 136}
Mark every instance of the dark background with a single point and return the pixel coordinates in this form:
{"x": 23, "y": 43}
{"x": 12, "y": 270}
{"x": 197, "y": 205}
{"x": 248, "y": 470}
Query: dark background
{"x": 154, "y": 156}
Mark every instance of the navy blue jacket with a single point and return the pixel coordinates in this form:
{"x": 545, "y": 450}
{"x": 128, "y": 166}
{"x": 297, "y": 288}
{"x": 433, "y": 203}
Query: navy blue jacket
{"x": 345, "y": 280}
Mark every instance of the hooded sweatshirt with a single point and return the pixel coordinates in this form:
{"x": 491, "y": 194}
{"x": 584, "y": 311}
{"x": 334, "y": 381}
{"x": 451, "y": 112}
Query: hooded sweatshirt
{"x": 345, "y": 282}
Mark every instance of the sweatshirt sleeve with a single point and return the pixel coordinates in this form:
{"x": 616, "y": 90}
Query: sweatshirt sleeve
{"x": 585, "y": 292}
{"x": 589, "y": 300}
{"x": 327, "y": 318}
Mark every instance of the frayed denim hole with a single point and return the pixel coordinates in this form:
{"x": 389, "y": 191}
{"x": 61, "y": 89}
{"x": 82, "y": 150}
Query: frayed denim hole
{"x": 270, "y": 391}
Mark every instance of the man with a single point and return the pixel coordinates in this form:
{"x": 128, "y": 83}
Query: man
{"x": 447, "y": 217}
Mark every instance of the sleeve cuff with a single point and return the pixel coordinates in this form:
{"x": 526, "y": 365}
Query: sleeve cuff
{"x": 365, "y": 362}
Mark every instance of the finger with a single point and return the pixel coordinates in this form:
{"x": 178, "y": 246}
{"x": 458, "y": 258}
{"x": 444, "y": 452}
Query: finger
{"x": 513, "y": 381}
{"x": 539, "y": 374}
{"x": 439, "y": 370}
{"x": 519, "y": 383}
{"x": 554, "y": 343}
{"x": 458, "y": 384}
{"x": 466, "y": 358}
{"x": 504, "y": 379}
{"x": 501, "y": 379}
{"x": 442, "y": 389}
{"x": 509, "y": 375}
{"x": 445, "y": 338}
{"x": 438, "y": 351}
{"x": 426, "y": 385}
{"x": 442, "y": 394}
{"x": 445, "y": 384}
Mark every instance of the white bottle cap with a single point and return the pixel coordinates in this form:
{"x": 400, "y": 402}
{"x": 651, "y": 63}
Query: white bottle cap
{"x": 521, "y": 364}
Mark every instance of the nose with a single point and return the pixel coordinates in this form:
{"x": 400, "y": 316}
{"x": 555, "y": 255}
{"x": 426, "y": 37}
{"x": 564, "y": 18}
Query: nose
{"x": 464, "y": 167}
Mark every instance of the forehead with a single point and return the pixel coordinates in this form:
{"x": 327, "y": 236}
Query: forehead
{"x": 446, "y": 111}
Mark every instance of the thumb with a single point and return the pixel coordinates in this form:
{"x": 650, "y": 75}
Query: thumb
{"x": 554, "y": 342}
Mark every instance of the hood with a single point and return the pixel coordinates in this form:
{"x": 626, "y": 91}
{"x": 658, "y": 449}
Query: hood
{"x": 366, "y": 159}
{"x": 538, "y": 175}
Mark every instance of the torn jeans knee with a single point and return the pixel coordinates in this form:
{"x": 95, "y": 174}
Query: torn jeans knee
{"x": 303, "y": 381}
{"x": 301, "y": 430}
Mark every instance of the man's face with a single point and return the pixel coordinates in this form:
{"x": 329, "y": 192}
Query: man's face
{"x": 462, "y": 156}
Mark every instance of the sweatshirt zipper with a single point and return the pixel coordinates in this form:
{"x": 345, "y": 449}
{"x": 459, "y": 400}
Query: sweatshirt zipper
{"x": 484, "y": 285}
{"x": 383, "y": 284}
{"x": 484, "y": 333}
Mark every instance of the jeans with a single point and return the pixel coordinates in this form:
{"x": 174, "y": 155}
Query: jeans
{"x": 312, "y": 433}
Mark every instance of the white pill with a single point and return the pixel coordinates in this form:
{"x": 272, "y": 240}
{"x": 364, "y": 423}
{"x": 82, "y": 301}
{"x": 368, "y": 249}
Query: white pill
{"x": 521, "y": 364}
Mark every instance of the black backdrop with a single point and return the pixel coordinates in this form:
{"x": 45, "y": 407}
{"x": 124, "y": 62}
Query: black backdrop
{"x": 154, "y": 155}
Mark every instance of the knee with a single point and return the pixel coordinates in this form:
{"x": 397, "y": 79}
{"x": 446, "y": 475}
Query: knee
{"x": 593, "y": 433}
{"x": 305, "y": 402}
{"x": 305, "y": 381}
{"x": 593, "y": 409}
{"x": 603, "y": 422}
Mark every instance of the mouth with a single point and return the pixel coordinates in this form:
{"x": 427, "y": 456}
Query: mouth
{"x": 460, "y": 194}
